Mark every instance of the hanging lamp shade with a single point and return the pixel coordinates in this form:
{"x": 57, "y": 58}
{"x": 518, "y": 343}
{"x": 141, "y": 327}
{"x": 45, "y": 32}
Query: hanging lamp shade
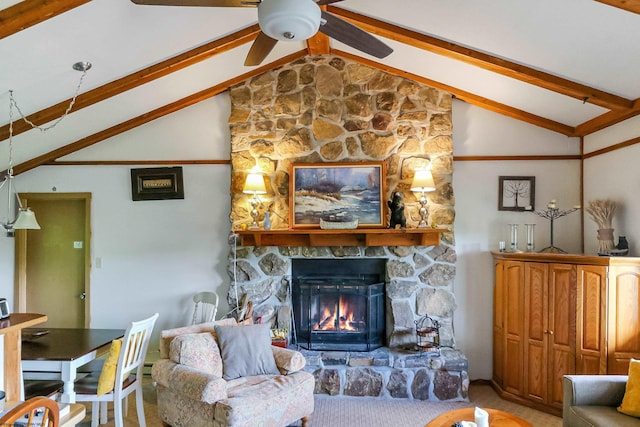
{"x": 26, "y": 220}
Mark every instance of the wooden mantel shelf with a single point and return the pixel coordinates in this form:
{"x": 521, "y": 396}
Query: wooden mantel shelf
{"x": 356, "y": 237}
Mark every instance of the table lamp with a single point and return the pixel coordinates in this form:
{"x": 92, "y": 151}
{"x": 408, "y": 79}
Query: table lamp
{"x": 423, "y": 183}
{"x": 254, "y": 184}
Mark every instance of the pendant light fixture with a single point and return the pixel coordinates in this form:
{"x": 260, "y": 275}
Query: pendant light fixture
{"x": 20, "y": 217}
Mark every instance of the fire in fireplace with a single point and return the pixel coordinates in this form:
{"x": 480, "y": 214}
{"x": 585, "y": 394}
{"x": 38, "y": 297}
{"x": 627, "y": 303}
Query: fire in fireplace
{"x": 339, "y": 304}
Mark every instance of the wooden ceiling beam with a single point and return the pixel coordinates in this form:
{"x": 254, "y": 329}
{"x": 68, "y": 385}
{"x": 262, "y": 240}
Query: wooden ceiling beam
{"x": 486, "y": 61}
{"x": 150, "y": 116}
{"x": 136, "y": 79}
{"x": 318, "y": 44}
{"x": 467, "y": 97}
{"x": 607, "y": 119}
{"x": 628, "y": 5}
{"x": 31, "y": 12}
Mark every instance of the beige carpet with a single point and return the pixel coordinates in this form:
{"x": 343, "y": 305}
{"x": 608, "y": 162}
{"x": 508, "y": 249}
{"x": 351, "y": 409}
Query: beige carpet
{"x": 366, "y": 412}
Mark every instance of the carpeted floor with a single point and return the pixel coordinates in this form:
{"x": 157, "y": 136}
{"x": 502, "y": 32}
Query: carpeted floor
{"x": 366, "y": 412}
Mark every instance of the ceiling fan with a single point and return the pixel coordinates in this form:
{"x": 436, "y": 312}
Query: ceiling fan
{"x": 290, "y": 20}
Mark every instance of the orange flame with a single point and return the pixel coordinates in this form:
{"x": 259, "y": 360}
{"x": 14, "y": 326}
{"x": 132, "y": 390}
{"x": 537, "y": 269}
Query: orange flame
{"x": 330, "y": 322}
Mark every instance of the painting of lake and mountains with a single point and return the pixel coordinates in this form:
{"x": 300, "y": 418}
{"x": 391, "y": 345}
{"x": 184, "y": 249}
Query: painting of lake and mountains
{"x": 342, "y": 193}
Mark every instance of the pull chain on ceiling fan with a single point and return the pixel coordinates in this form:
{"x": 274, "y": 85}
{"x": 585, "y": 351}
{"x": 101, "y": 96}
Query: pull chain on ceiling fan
{"x": 290, "y": 20}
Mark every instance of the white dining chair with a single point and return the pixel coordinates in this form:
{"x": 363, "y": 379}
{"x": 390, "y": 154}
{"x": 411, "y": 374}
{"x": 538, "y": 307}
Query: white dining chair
{"x": 128, "y": 377}
{"x": 206, "y": 307}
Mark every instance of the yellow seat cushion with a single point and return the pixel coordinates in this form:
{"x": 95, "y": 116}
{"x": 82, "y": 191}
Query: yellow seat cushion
{"x": 107, "y": 379}
{"x": 631, "y": 400}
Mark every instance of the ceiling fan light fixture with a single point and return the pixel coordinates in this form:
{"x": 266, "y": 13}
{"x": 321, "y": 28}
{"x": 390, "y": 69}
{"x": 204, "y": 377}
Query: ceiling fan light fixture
{"x": 289, "y": 20}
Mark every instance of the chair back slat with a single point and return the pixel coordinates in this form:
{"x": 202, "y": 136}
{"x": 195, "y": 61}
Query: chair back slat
{"x": 134, "y": 348}
{"x": 206, "y": 307}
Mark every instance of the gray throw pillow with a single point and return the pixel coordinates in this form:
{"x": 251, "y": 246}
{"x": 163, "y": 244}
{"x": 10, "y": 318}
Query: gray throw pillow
{"x": 246, "y": 351}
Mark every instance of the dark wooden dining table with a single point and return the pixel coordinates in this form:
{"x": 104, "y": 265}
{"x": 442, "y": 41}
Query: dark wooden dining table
{"x": 57, "y": 353}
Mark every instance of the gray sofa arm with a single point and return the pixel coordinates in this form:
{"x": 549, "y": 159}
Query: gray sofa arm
{"x": 189, "y": 382}
{"x": 589, "y": 390}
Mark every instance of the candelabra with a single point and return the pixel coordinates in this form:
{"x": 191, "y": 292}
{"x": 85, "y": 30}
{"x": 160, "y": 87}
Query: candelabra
{"x": 552, "y": 213}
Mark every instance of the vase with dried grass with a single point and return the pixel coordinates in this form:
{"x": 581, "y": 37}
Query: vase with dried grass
{"x": 601, "y": 211}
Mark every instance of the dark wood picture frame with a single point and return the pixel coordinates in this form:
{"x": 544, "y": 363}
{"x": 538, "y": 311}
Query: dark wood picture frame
{"x": 517, "y": 193}
{"x": 355, "y": 189}
{"x": 157, "y": 183}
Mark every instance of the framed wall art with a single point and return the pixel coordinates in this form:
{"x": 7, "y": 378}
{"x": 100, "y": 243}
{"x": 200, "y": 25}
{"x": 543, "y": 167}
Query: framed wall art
{"x": 347, "y": 192}
{"x": 157, "y": 183}
{"x": 517, "y": 193}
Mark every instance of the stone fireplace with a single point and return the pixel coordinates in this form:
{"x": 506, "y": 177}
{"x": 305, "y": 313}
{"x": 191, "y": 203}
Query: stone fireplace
{"x": 328, "y": 109}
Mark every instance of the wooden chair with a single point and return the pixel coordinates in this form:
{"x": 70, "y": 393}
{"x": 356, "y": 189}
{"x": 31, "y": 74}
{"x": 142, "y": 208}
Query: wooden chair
{"x": 128, "y": 377}
{"x": 37, "y": 412}
{"x": 206, "y": 307}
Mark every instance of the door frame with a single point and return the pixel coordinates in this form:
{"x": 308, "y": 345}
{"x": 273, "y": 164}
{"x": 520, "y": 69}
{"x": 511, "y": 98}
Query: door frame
{"x": 20, "y": 278}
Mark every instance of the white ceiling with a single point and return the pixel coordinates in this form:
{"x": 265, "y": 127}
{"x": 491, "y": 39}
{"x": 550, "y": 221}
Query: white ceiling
{"x": 580, "y": 40}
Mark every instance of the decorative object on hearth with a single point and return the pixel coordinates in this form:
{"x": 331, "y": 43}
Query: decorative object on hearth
{"x": 552, "y": 213}
{"x": 254, "y": 184}
{"x": 291, "y": 20}
{"x": 423, "y": 183}
{"x": 25, "y": 218}
{"x": 428, "y": 336}
{"x": 601, "y": 212}
{"x": 396, "y": 205}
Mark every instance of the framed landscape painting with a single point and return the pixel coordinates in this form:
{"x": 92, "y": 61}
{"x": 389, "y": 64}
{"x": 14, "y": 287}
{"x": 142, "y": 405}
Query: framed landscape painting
{"x": 347, "y": 192}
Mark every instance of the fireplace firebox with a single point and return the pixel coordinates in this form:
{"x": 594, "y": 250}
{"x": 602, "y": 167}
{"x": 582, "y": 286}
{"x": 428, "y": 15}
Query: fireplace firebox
{"x": 339, "y": 304}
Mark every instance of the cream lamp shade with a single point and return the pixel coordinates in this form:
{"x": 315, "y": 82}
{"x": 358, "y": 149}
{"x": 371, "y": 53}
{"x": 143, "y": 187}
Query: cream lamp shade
{"x": 423, "y": 181}
{"x": 26, "y": 220}
{"x": 254, "y": 184}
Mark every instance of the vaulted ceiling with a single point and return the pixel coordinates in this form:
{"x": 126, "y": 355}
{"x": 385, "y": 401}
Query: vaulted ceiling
{"x": 569, "y": 66}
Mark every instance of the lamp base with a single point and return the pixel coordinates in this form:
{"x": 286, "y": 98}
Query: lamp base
{"x": 552, "y": 250}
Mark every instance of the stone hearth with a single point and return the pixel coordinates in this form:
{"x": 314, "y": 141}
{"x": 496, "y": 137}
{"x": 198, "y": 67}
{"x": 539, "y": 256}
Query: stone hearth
{"x": 387, "y": 373}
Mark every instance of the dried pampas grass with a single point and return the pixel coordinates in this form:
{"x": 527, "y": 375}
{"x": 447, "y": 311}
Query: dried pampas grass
{"x": 601, "y": 211}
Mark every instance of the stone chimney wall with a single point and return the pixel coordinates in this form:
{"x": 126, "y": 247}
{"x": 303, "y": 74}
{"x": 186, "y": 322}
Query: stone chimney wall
{"x": 328, "y": 109}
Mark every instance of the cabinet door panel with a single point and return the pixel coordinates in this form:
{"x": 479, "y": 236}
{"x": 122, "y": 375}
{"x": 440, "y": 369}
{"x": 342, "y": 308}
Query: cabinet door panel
{"x": 562, "y": 326}
{"x": 624, "y": 319}
{"x": 591, "y": 352}
{"x": 513, "y": 327}
{"x": 498, "y": 325}
{"x": 536, "y": 278}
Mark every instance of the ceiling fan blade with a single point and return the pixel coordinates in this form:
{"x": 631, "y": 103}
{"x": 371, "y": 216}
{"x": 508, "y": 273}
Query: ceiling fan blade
{"x": 214, "y": 3}
{"x": 326, "y": 2}
{"x": 262, "y": 45}
{"x": 353, "y": 36}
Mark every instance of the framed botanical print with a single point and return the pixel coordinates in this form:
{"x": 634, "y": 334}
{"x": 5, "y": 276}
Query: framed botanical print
{"x": 517, "y": 193}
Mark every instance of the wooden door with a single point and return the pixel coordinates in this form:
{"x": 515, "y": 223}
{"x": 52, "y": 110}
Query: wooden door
{"x": 591, "y": 309}
{"x": 513, "y": 327}
{"x": 623, "y": 318}
{"x": 562, "y": 329}
{"x": 536, "y": 278}
{"x": 53, "y": 262}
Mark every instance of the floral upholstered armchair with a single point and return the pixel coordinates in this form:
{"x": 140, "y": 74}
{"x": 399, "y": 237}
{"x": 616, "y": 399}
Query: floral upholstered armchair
{"x": 221, "y": 374}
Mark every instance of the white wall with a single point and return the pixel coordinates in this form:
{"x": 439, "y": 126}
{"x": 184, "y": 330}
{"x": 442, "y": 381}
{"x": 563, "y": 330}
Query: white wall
{"x": 614, "y": 175}
{"x": 479, "y": 225}
{"x": 154, "y": 255}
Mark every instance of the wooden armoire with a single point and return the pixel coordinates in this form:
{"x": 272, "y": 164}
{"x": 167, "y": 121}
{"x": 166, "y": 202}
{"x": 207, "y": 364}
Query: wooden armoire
{"x": 557, "y": 314}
